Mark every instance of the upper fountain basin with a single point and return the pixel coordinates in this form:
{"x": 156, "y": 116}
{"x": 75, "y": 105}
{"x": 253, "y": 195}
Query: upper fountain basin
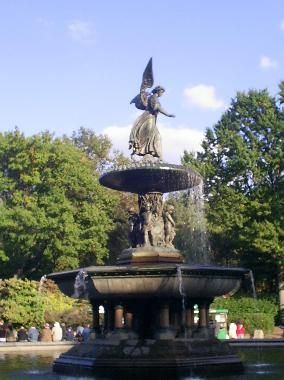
{"x": 145, "y": 177}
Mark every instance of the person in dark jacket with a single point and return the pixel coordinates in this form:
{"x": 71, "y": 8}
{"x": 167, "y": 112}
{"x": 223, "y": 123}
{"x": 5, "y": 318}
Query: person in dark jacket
{"x": 3, "y": 331}
{"x": 22, "y": 335}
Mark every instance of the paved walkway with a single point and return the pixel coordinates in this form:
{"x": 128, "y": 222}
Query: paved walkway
{"x": 35, "y": 346}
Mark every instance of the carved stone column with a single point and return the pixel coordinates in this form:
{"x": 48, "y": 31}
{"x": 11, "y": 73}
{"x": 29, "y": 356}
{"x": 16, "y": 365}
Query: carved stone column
{"x": 203, "y": 326}
{"x": 202, "y": 306}
{"x": 96, "y": 317}
{"x": 189, "y": 319}
{"x": 118, "y": 315}
{"x": 164, "y": 331}
{"x": 119, "y": 329}
{"x": 128, "y": 320}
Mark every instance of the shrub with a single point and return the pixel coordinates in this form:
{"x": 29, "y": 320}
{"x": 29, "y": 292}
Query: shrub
{"x": 254, "y": 313}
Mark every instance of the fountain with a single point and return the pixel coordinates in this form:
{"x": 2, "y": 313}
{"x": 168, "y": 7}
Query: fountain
{"x": 150, "y": 294}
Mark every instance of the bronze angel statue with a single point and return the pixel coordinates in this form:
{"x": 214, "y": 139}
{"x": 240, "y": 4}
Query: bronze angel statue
{"x": 145, "y": 139}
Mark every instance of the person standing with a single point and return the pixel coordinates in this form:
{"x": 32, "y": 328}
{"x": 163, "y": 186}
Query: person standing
{"x": 240, "y": 330}
{"x": 233, "y": 330}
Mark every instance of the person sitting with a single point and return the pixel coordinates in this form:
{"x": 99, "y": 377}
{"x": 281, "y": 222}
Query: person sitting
{"x": 33, "y": 334}
{"x": 45, "y": 334}
{"x": 11, "y": 334}
{"x": 3, "y": 332}
{"x": 69, "y": 334}
{"x": 56, "y": 332}
{"x": 22, "y": 335}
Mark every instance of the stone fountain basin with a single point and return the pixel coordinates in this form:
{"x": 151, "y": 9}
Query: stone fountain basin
{"x": 144, "y": 177}
{"x": 161, "y": 281}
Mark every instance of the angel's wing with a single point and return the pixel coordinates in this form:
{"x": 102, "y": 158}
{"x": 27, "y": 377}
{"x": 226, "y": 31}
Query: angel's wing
{"x": 148, "y": 78}
{"x": 141, "y": 99}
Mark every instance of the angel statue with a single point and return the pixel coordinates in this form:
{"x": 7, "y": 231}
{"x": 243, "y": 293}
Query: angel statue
{"x": 145, "y": 139}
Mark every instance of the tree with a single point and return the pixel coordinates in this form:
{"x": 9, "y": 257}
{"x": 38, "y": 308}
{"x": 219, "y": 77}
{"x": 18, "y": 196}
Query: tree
{"x": 242, "y": 162}
{"x": 53, "y": 213}
{"x": 98, "y": 149}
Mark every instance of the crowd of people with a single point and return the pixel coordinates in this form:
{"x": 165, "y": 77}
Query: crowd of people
{"x": 48, "y": 333}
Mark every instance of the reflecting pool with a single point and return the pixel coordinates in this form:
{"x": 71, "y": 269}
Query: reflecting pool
{"x": 259, "y": 364}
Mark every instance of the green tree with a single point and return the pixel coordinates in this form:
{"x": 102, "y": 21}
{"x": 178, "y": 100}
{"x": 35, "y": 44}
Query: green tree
{"x": 242, "y": 163}
{"x": 53, "y": 213}
{"x": 98, "y": 149}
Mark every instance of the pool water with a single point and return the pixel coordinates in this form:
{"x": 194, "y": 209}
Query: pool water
{"x": 259, "y": 363}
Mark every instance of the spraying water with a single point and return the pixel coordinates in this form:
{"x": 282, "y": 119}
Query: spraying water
{"x": 252, "y": 284}
{"x": 200, "y": 249}
{"x": 41, "y": 283}
{"x": 80, "y": 286}
{"x": 181, "y": 292}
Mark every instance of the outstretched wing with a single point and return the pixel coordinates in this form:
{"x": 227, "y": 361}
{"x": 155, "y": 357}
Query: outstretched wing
{"x": 141, "y": 99}
{"x": 148, "y": 78}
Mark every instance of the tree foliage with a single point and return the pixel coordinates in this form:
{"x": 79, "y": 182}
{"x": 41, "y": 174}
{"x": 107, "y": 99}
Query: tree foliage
{"x": 53, "y": 213}
{"x": 242, "y": 163}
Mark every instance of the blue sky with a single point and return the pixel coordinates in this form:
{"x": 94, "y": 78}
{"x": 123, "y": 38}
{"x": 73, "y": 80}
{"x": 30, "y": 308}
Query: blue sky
{"x": 66, "y": 63}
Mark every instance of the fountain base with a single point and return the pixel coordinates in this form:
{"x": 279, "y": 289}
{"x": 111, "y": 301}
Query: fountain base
{"x": 149, "y": 255}
{"x": 163, "y": 355}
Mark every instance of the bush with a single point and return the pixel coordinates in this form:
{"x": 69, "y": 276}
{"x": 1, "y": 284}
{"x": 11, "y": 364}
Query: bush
{"x": 22, "y": 303}
{"x": 254, "y": 313}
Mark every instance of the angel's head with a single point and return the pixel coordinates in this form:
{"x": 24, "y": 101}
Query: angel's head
{"x": 159, "y": 90}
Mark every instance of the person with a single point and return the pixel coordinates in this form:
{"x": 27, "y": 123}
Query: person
{"x": 222, "y": 332}
{"x": 63, "y": 326}
{"x": 69, "y": 334}
{"x": 3, "y": 332}
{"x": 56, "y": 332}
{"x": 22, "y": 334}
{"x": 12, "y": 334}
{"x": 45, "y": 334}
{"x": 86, "y": 333}
{"x": 232, "y": 330}
{"x": 145, "y": 137}
{"x": 79, "y": 333}
{"x": 240, "y": 330}
{"x": 33, "y": 334}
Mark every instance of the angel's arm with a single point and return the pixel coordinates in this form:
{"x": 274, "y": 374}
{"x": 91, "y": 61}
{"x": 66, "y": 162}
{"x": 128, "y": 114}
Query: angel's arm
{"x": 157, "y": 107}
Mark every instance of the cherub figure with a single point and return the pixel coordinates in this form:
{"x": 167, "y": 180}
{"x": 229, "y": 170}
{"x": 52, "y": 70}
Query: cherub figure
{"x": 145, "y": 139}
{"x": 147, "y": 225}
{"x": 169, "y": 225}
{"x": 134, "y": 230}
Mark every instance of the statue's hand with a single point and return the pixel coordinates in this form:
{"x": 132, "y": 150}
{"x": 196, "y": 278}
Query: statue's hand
{"x": 172, "y": 115}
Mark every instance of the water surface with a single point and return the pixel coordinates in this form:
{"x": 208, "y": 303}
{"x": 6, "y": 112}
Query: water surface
{"x": 259, "y": 364}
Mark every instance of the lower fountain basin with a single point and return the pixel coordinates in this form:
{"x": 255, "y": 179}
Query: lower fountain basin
{"x": 161, "y": 281}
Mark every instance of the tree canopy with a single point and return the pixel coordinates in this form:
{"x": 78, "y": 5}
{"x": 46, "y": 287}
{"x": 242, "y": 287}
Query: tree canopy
{"x": 242, "y": 165}
{"x": 54, "y": 215}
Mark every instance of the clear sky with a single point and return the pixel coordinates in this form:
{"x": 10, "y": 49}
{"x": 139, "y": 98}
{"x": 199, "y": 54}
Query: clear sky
{"x": 70, "y": 63}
